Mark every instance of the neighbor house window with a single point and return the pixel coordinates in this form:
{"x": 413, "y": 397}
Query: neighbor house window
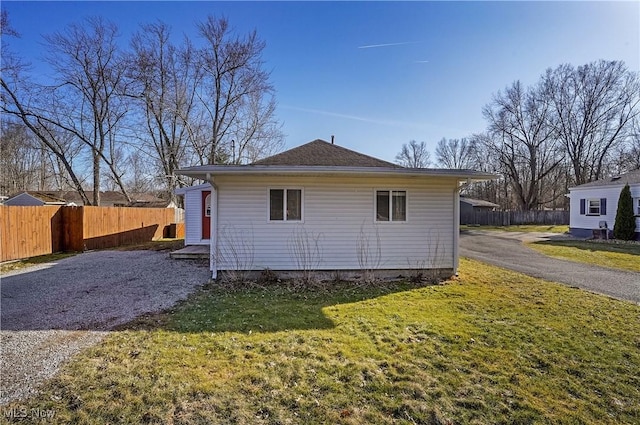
{"x": 638, "y": 206}
{"x": 391, "y": 205}
{"x": 285, "y": 204}
{"x": 593, "y": 207}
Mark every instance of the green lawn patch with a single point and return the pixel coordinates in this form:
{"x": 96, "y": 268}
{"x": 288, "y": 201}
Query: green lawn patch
{"x": 521, "y": 228}
{"x": 624, "y": 256}
{"x": 490, "y": 347}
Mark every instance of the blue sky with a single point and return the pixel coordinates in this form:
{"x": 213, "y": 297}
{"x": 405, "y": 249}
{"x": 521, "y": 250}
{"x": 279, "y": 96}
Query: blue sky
{"x": 379, "y": 74}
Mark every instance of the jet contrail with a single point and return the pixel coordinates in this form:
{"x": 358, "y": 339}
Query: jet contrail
{"x": 371, "y": 46}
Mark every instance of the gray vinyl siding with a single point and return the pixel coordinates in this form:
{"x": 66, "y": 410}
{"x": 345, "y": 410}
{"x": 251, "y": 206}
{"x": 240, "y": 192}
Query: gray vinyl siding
{"x": 335, "y": 211}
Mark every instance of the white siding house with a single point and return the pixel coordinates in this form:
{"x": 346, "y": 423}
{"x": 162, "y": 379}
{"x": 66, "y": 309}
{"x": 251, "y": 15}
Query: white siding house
{"x": 596, "y": 203}
{"x": 325, "y": 208}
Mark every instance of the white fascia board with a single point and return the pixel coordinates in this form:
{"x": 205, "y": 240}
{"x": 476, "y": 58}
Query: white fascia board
{"x": 183, "y": 190}
{"x": 213, "y": 170}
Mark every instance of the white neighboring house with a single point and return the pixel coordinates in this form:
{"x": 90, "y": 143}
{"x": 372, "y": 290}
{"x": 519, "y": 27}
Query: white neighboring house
{"x": 323, "y": 207}
{"x": 596, "y": 203}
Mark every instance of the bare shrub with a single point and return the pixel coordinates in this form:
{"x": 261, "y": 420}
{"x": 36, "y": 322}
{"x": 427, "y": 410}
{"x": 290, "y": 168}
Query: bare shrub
{"x": 236, "y": 252}
{"x": 268, "y": 277}
{"x": 369, "y": 252}
{"x": 304, "y": 247}
{"x": 337, "y": 276}
{"x": 427, "y": 269}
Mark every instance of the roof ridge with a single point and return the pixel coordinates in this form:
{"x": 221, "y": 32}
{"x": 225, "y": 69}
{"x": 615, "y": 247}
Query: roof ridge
{"x": 630, "y": 177}
{"x": 322, "y": 153}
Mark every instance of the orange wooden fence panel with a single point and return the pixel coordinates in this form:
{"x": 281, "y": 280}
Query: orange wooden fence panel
{"x": 106, "y": 227}
{"x": 29, "y": 231}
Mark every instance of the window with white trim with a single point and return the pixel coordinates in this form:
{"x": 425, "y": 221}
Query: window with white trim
{"x": 593, "y": 206}
{"x": 391, "y": 205}
{"x": 285, "y": 204}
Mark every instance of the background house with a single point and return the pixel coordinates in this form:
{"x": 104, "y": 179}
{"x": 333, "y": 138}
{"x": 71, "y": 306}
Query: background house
{"x": 596, "y": 203}
{"x": 109, "y": 198}
{"x": 475, "y": 211}
{"x": 33, "y": 199}
{"x": 323, "y": 207}
{"x": 470, "y": 205}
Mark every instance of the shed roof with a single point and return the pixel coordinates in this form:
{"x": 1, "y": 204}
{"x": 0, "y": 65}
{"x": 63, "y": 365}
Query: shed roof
{"x": 45, "y": 197}
{"x": 632, "y": 177}
{"x": 478, "y": 202}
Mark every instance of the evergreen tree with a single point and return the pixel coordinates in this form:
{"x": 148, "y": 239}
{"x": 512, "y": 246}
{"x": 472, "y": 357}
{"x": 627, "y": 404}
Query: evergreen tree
{"x": 625, "y": 225}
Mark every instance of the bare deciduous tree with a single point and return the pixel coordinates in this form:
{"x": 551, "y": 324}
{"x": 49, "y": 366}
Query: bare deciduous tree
{"x": 5, "y": 25}
{"x": 19, "y": 97}
{"x": 19, "y": 161}
{"x": 521, "y": 139}
{"x": 633, "y": 150}
{"x": 456, "y": 153}
{"x": 594, "y": 106}
{"x": 414, "y": 155}
{"x": 256, "y": 134}
{"x": 236, "y": 92}
{"x": 164, "y": 79}
{"x": 90, "y": 75}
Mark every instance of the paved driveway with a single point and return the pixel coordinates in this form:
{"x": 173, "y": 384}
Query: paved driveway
{"x": 50, "y": 312}
{"x": 507, "y": 250}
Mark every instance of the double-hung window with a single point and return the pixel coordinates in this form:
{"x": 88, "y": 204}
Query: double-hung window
{"x": 285, "y": 204}
{"x": 391, "y": 205}
{"x": 593, "y": 207}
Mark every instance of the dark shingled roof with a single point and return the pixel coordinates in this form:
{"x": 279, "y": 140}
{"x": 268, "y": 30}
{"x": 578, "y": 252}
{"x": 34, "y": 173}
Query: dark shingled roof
{"x": 321, "y": 153}
{"x": 46, "y": 197}
{"x": 632, "y": 177}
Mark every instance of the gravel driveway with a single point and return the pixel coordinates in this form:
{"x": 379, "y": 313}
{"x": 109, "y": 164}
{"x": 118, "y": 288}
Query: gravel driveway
{"x": 52, "y": 311}
{"x": 506, "y": 249}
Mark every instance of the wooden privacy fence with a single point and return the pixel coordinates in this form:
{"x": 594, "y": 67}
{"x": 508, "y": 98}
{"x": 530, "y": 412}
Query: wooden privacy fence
{"x": 30, "y": 231}
{"x": 508, "y": 218}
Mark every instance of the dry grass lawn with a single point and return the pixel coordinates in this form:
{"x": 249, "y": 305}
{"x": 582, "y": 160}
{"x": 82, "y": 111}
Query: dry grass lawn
{"x": 491, "y": 347}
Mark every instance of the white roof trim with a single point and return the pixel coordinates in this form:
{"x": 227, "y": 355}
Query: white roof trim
{"x": 184, "y": 190}
{"x": 231, "y": 170}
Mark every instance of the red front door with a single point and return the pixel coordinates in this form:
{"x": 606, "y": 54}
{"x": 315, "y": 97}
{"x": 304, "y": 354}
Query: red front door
{"x": 206, "y": 214}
